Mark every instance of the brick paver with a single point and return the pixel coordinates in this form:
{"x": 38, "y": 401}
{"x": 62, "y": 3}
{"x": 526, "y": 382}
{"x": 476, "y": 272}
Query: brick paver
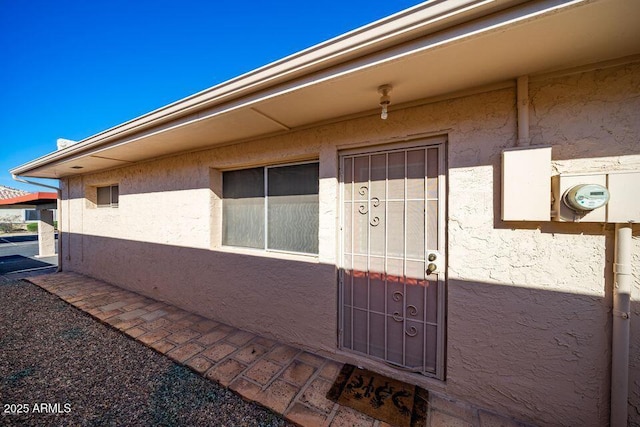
{"x": 153, "y": 315}
{"x": 250, "y": 353}
{"x": 315, "y": 393}
{"x": 183, "y": 336}
{"x": 263, "y": 371}
{"x": 199, "y": 364}
{"x": 163, "y": 346}
{"x": 277, "y": 396}
{"x": 218, "y": 351}
{"x": 151, "y": 337}
{"x": 240, "y": 338}
{"x": 212, "y": 337}
{"x": 298, "y": 373}
{"x": 132, "y": 314}
{"x": 330, "y": 370}
{"x": 185, "y": 351}
{"x": 282, "y": 353}
{"x": 225, "y": 372}
{"x": 285, "y": 379}
{"x": 305, "y": 416}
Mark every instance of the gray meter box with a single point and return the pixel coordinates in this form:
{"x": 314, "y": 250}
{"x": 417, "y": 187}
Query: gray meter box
{"x": 624, "y": 197}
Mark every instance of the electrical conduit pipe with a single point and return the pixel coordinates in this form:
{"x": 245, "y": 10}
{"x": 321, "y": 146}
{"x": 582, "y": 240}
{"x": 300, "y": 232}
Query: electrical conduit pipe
{"x": 621, "y": 325}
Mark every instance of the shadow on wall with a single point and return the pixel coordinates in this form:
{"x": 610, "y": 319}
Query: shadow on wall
{"x": 534, "y": 353}
{"x": 288, "y": 300}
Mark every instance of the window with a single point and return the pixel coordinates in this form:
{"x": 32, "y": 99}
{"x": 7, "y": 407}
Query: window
{"x": 31, "y": 215}
{"x": 108, "y": 196}
{"x": 272, "y": 208}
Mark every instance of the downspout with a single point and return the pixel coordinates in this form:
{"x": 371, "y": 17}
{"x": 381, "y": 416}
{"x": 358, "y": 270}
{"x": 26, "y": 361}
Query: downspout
{"x": 26, "y": 181}
{"x": 59, "y": 206}
{"x": 621, "y": 290}
{"x": 522, "y": 100}
{"x": 621, "y": 325}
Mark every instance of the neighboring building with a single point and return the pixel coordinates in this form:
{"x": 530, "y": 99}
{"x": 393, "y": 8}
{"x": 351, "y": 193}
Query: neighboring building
{"x": 36, "y": 207}
{"x": 13, "y": 216}
{"x": 434, "y": 245}
{"x": 21, "y": 214}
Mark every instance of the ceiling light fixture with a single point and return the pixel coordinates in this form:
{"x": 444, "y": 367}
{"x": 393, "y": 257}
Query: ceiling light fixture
{"x": 385, "y": 100}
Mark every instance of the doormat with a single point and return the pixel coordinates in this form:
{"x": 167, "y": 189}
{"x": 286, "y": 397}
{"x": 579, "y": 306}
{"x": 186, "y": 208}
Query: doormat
{"x": 380, "y": 397}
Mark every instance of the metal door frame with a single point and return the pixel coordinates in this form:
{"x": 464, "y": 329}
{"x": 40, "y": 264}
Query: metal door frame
{"x": 430, "y": 142}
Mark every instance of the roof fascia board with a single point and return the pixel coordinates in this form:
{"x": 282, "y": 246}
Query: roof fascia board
{"x": 30, "y": 197}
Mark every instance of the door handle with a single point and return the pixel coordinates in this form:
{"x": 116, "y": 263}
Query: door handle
{"x": 434, "y": 262}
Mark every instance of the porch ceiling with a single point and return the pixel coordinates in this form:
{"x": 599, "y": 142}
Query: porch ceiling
{"x": 528, "y": 39}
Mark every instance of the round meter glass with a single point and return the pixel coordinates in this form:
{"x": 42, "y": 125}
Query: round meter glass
{"x": 586, "y": 197}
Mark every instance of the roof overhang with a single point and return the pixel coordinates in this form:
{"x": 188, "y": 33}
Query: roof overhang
{"x": 430, "y": 50}
{"x": 40, "y": 200}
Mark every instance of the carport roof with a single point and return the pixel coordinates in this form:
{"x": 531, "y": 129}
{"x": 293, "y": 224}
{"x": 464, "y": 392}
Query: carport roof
{"x": 9, "y": 193}
{"x": 29, "y": 200}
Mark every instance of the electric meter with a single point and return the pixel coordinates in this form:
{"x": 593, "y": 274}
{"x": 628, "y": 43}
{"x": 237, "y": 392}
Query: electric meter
{"x": 586, "y": 197}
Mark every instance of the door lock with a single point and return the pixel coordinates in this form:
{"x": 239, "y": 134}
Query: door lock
{"x": 435, "y": 262}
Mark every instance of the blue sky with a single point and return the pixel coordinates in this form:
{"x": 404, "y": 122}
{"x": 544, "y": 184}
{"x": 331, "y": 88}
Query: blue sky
{"x": 70, "y": 69}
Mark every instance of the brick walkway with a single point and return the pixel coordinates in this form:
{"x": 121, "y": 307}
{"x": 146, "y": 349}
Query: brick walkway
{"x": 286, "y": 380}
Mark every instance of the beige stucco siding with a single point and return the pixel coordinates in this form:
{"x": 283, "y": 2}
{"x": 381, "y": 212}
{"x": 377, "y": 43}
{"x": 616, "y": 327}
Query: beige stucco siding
{"x": 528, "y": 304}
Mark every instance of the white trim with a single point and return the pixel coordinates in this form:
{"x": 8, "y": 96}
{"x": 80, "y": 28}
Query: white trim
{"x": 404, "y": 145}
{"x": 111, "y": 204}
{"x": 290, "y": 256}
{"x": 265, "y": 170}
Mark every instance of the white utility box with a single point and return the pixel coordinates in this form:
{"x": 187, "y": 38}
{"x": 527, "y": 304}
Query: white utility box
{"x": 526, "y": 192}
{"x": 624, "y": 205}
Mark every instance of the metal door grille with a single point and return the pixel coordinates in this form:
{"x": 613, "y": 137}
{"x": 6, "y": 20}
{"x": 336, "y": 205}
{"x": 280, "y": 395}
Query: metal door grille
{"x": 391, "y": 307}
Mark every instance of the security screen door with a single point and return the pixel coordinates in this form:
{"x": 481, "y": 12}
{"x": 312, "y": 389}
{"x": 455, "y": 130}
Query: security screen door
{"x": 392, "y": 272}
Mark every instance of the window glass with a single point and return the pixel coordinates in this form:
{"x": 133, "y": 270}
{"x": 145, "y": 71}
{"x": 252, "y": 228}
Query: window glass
{"x": 293, "y": 208}
{"x": 31, "y": 215}
{"x": 286, "y": 218}
{"x": 243, "y": 208}
{"x": 115, "y": 195}
{"x": 108, "y": 196}
{"x": 104, "y": 196}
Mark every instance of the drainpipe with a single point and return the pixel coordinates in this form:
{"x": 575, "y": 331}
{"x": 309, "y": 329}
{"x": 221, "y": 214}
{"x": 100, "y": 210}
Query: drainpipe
{"x": 621, "y": 325}
{"x": 26, "y": 181}
{"x": 59, "y": 206}
{"x": 522, "y": 94}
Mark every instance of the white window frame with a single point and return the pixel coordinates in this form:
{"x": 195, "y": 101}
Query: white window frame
{"x": 265, "y": 171}
{"x": 111, "y": 204}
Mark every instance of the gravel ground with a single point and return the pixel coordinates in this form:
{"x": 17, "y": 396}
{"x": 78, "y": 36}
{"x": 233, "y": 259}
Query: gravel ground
{"x": 52, "y": 353}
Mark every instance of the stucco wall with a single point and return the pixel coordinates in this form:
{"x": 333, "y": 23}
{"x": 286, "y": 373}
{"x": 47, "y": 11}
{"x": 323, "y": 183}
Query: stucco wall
{"x": 12, "y": 215}
{"x": 528, "y": 331}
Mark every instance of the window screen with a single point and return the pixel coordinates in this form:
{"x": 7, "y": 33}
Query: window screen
{"x": 285, "y": 218}
{"x": 293, "y": 208}
{"x": 243, "y": 208}
{"x": 108, "y": 196}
